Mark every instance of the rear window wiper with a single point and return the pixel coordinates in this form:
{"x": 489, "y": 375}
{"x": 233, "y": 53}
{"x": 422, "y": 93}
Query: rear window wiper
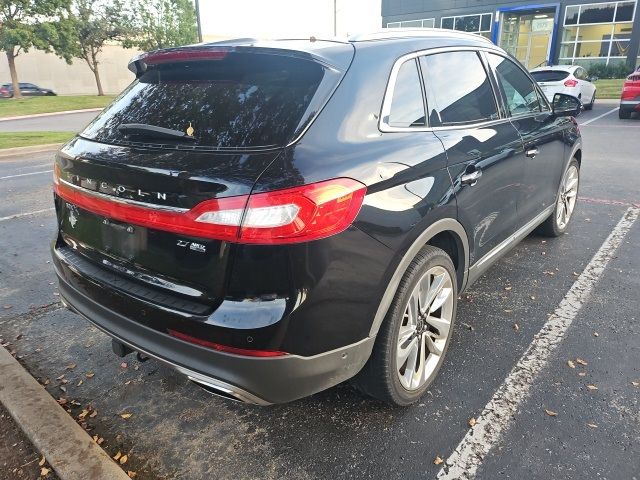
{"x": 153, "y": 131}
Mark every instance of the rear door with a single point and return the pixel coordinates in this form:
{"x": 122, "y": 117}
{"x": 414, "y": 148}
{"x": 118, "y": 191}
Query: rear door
{"x": 186, "y": 133}
{"x": 483, "y": 149}
{"x": 542, "y": 137}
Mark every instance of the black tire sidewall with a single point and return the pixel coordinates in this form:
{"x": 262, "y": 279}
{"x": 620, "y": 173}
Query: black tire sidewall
{"x": 428, "y": 258}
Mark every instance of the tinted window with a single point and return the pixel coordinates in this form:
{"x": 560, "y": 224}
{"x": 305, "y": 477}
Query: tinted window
{"x": 624, "y": 12}
{"x": 549, "y": 75}
{"x": 458, "y": 90}
{"x": 243, "y": 100}
{"x": 447, "y": 23}
{"x": 571, "y": 17}
{"x": 599, "y": 13}
{"x": 407, "y": 106}
{"x": 518, "y": 88}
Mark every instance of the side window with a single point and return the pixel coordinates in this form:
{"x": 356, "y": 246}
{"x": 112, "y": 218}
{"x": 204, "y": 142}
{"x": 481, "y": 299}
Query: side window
{"x": 581, "y": 73}
{"x": 518, "y": 88}
{"x": 458, "y": 89}
{"x": 407, "y": 106}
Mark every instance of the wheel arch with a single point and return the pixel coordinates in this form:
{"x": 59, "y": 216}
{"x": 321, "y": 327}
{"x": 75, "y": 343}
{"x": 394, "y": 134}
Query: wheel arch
{"x": 447, "y": 234}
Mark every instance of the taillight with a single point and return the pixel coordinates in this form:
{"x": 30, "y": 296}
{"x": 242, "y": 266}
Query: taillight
{"x": 570, "y": 83}
{"x": 293, "y": 215}
{"x": 248, "y": 352}
{"x": 183, "y": 55}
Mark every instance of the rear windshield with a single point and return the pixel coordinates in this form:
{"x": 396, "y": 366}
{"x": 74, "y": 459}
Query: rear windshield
{"x": 241, "y": 101}
{"x": 549, "y": 75}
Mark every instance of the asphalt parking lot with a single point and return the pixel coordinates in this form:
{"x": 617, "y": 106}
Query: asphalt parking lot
{"x": 176, "y": 430}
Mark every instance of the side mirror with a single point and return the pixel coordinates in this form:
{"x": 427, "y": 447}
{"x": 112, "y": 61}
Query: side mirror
{"x": 566, "y": 105}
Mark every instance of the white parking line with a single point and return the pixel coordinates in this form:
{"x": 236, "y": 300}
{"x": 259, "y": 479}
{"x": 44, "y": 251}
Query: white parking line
{"x": 499, "y": 413}
{"x": 25, "y": 174}
{"x": 598, "y": 117}
{"x": 18, "y": 215}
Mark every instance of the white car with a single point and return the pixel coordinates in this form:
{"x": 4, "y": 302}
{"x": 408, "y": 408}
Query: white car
{"x": 568, "y": 79}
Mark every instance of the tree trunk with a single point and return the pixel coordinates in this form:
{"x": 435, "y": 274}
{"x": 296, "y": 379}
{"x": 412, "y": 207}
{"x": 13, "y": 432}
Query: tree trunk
{"x": 11, "y": 58}
{"x": 96, "y": 74}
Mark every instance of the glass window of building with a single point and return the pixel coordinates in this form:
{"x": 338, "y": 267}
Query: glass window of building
{"x": 422, "y": 23}
{"x": 480, "y": 23}
{"x": 597, "y": 33}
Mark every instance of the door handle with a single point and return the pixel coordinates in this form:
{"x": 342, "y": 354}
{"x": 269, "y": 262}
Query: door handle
{"x": 471, "y": 178}
{"x": 532, "y": 152}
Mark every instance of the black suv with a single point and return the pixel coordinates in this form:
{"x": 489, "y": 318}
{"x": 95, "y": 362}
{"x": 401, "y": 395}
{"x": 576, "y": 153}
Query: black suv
{"x": 274, "y": 218}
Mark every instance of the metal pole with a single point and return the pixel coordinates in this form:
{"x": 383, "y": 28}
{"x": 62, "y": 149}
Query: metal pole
{"x": 198, "y": 21}
{"x": 335, "y": 18}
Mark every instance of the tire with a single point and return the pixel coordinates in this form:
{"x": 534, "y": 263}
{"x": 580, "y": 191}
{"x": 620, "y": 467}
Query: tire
{"x": 593, "y": 100}
{"x": 555, "y": 225}
{"x": 624, "y": 115}
{"x": 381, "y": 377}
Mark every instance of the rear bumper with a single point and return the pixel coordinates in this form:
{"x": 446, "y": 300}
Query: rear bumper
{"x": 261, "y": 381}
{"x": 630, "y": 105}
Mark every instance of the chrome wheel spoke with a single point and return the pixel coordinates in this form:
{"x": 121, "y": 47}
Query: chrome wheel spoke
{"x": 425, "y": 328}
{"x": 441, "y": 324}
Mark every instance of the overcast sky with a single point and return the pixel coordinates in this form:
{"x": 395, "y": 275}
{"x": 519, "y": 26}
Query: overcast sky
{"x": 285, "y": 18}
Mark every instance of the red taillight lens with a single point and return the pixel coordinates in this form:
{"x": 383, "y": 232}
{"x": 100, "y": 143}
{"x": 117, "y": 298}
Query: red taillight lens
{"x": 185, "y": 55}
{"x": 247, "y": 352}
{"x": 570, "y": 83}
{"x": 293, "y": 215}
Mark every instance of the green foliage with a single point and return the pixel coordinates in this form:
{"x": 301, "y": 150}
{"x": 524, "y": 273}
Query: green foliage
{"x": 163, "y": 23}
{"x": 613, "y": 70}
{"x": 26, "y": 24}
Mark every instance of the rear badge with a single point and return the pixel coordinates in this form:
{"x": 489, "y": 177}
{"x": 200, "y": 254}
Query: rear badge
{"x": 190, "y": 130}
{"x": 196, "y": 247}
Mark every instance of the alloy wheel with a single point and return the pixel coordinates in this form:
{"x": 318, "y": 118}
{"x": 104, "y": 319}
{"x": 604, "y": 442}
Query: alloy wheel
{"x": 567, "y": 196}
{"x": 425, "y": 328}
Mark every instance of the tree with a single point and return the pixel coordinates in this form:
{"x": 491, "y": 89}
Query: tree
{"x": 90, "y": 24}
{"x": 163, "y": 23}
{"x": 25, "y": 24}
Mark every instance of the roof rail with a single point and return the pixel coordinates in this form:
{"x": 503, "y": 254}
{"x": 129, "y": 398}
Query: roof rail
{"x": 393, "y": 33}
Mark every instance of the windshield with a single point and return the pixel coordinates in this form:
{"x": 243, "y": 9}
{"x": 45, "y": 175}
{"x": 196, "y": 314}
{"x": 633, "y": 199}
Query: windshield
{"x": 549, "y": 75}
{"x": 241, "y": 101}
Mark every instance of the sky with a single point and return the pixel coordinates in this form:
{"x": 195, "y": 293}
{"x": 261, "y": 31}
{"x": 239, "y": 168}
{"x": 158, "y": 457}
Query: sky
{"x": 287, "y": 18}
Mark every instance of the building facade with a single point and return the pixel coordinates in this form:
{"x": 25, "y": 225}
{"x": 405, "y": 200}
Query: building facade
{"x": 536, "y": 32}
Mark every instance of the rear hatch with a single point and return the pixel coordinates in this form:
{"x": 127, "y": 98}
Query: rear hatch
{"x": 550, "y": 81}
{"x": 196, "y": 128}
{"x": 631, "y": 87}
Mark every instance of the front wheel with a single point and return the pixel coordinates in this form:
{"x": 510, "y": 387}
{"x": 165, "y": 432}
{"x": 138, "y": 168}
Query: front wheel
{"x": 558, "y": 221}
{"x": 414, "y": 336}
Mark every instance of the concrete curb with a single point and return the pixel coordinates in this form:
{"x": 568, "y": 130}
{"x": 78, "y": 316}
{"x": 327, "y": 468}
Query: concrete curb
{"x": 68, "y": 448}
{"x": 12, "y": 152}
{"x": 50, "y": 114}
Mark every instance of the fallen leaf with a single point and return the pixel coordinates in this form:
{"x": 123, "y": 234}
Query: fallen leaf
{"x": 126, "y": 415}
{"x": 472, "y": 422}
{"x": 532, "y": 297}
{"x": 592, "y": 425}
{"x": 44, "y": 471}
{"x": 571, "y": 364}
{"x": 581, "y": 361}
{"x": 507, "y": 288}
{"x": 7, "y": 307}
{"x": 123, "y": 459}
{"x": 60, "y": 377}
{"x": 131, "y": 473}
{"x": 516, "y": 327}
{"x": 508, "y": 311}
{"x": 100, "y": 440}
{"x": 127, "y": 382}
{"x": 635, "y": 384}
{"x": 61, "y": 401}
{"x": 71, "y": 366}
{"x": 64, "y": 389}
{"x": 89, "y": 374}
{"x": 582, "y": 374}
{"x": 42, "y": 461}
{"x": 83, "y": 414}
{"x": 123, "y": 365}
{"x": 576, "y": 274}
{"x": 117, "y": 455}
{"x": 438, "y": 460}
{"x": 93, "y": 414}
{"x": 596, "y": 334}
{"x": 592, "y": 387}
{"x": 551, "y": 413}
{"x": 79, "y": 383}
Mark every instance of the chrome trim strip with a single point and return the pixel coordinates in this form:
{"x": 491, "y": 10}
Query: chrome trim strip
{"x": 445, "y": 224}
{"x": 478, "y": 268}
{"x": 125, "y": 201}
{"x": 383, "y": 125}
{"x": 630, "y": 102}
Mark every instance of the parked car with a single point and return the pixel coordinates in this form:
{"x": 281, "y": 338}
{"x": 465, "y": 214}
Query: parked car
{"x": 274, "y": 218}
{"x": 568, "y": 79}
{"x": 630, "y": 98}
{"x": 26, "y": 89}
